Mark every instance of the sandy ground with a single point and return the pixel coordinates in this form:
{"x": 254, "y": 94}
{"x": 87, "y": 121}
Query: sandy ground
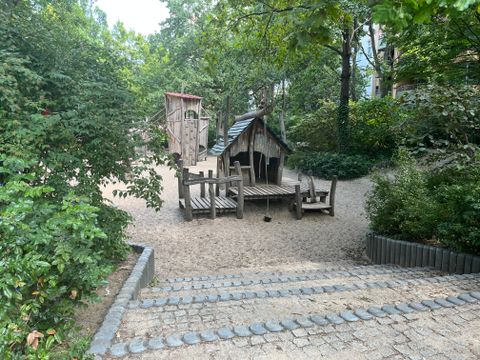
{"x": 209, "y": 246}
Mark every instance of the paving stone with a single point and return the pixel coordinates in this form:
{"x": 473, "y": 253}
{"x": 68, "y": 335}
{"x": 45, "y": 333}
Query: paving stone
{"x": 133, "y": 304}
{"x": 475, "y": 294}
{"x": 118, "y": 350}
{"x": 242, "y": 330}
{"x": 289, "y": 324}
{"x": 363, "y": 314}
{"x": 227, "y": 283}
{"x": 295, "y": 292}
{"x": 328, "y": 289}
{"x": 147, "y": 303}
{"x": 318, "y": 289}
{"x": 349, "y": 316}
{"x": 377, "y": 312}
{"x": 334, "y": 318}
{"x": 198, "y": 299}
{"x": 186, "y": 300}
{"x": 224, "y": 296}
{"x": 155, "y": 343}
{"x": 236, "y": 283}
{"x": 225, "y": 333}
{"x": 261, "y": 294}
{"x": 301, "y": 342}
{"x": 174, "y": 300}
{"x": 300, "y": 332}
{"x": 258, "y": 329}
{"x": 391, "y": 310}
{"x": 198, "y": 286}
{"x": 191, "y": 338}
{"x": 136, "y": 346}
{"x": 207, "y": 286}
{"x": 273, "y": 326}
{"x": 418, "y": 306}
{"x": 306, "y": 291}
{"x": 304, "y": 322}
{"x": 404, "y": 308}
{"x": 174, "y": 340}
{"x": 208, "y": 335}
{"x": 187, "y": 287}
{"x": 444, "y": 303}
{"x": 212, "y": 298}
{"x": 466, "y": 297}
{"x": 284, "y": 293}
{"x": 237, "y": 296}
{"x": 161, "y": 302}
{"x": 319, "y": 320}
{"x": 249, "y": 295}
{"x": 431, "y": 304}
{"x": 455, "y": 300}
{"x": 273, "y": 293}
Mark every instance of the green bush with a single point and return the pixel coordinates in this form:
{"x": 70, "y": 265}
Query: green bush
{"x": 425, "y": 205}
{"x": 50, "y": 258}
{"x": 402, "y": 205}
{"x": 326, "y": 165}
{"x": 373, "y": 125}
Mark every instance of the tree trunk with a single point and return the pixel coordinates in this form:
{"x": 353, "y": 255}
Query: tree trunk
{"x": 282, "y": 114}
{"x": 343, "y": 108}
{"x": 353, "y": 80}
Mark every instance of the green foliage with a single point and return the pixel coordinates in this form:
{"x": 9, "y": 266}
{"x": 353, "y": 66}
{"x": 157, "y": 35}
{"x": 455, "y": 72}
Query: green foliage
{"x": 402, "y": 205}
{"x": 444, "y": 121}
{"x": 326, "y": 165}
{"x": 373, "y": 124}
{"x": 70, "y": 122}
{"x": 50, "y": 257}
{"x": 425, "y": 205}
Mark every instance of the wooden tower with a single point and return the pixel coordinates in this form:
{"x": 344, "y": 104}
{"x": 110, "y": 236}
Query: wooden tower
{"x": 186, "y": 127}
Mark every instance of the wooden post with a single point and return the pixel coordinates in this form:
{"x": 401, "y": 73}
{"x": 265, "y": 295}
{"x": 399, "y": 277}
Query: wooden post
{"x": 333, "y": 188}
{"x": 188, "y": 199}
{"x": 227, "y": 169}
{"x": 298, "y": 200}
{"x": 240, "y": 199}
{"x": 179, "y": 177}
{"x": 311, "y": 187}
{"x": 280, "y": 167}
{"x": 211, "y": 193}
{"x": 202, "y": 185}
{"x": 217, "y": 130}
{"x": 217, "y": 186}
{"x": 182, "y": 133}
{"x": 251, "y": 143}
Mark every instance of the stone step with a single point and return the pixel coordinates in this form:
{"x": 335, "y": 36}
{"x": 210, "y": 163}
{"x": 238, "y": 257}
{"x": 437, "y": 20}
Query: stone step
{"x": 167, "y": 316}
{"x": 284, "y": 281}
{"x": 401, "y": 315}
{"x": 269, "y": 271}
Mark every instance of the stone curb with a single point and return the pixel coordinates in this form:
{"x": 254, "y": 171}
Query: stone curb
{"x": 377, "y": 270}
{"x": 383, "y": 250}
{"x": 272, "y": 293}
{"x": 291, "y": 324}
{"x": 141, "y": 275}
{"x": 268, "y": 273}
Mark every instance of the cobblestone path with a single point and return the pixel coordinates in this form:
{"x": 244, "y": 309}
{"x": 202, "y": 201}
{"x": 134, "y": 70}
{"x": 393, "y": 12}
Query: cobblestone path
{"x": 333, "y": 312}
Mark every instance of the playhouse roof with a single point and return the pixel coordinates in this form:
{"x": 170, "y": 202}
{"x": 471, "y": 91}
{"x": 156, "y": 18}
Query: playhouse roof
{"x": 183, "y": 96}
{"x": 239, "y": 128}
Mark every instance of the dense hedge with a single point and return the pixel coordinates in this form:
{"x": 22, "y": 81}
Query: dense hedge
{"x": 326, "y": 165}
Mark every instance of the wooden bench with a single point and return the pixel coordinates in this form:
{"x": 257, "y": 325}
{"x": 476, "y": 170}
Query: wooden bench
{"x": 316, "y": 201}
{"x": 214, "y": 203}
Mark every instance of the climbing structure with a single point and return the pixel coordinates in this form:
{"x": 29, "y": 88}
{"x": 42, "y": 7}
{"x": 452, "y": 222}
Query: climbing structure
{"x": 186, "y": 127}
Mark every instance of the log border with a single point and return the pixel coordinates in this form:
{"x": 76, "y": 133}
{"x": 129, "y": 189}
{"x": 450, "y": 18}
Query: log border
{"x": 384, "y": 250}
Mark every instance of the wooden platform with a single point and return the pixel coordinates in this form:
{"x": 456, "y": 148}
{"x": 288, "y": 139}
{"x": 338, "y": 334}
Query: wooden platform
{"x": 201, "y": 205}
{"x": 272, "y": 191}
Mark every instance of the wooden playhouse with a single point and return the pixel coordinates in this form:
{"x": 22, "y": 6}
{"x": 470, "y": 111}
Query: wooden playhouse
{"x": 252, "y": 143}
{"x": 187, "y": 129}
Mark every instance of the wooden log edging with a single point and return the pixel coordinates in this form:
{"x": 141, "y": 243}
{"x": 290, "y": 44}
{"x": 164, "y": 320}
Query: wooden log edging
{"x": 141, "y": 275}
{"x": 383, "y": 250}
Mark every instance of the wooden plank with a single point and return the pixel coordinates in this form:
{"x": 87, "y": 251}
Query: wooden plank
{"x": 240, "y": 192}
{"x": 211, "y": 192}
{"x": 202, "y": 185}
{"x": 186, "y": 191}
{"x": 298, "y": 200}
{"x": 179, "y": 178}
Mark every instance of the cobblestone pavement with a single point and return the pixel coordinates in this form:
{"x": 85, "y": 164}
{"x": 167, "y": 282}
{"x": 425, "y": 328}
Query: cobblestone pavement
{"x": 342, "y": 312}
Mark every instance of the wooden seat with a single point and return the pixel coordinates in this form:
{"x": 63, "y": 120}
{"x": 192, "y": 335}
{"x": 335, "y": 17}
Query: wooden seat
{"x": 318, "y": 203}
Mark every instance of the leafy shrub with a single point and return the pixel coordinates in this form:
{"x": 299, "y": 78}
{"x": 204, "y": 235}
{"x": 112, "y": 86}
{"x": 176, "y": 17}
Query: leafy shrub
{"x": 444, "y": 120}
{"x": 50, "y": 258}
{"x": 372, "y": 126}
{"x": 315, "y": 131}
{"x": 326, "y": 165}
{"x": 420, "y": 205}
{"x": 401, "y": 205}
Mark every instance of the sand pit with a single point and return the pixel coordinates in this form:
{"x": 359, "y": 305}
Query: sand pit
{"x": 205, "y": 246}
